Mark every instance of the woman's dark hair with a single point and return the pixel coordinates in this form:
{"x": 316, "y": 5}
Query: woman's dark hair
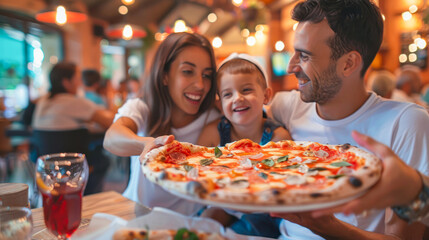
{"x": 156, "y": 94}
{"x": 357, "y": 24}
{"x": 62, "y": 70}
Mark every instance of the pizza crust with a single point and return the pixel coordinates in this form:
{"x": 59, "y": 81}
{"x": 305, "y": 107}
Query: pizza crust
{"x": 271, "y": 193}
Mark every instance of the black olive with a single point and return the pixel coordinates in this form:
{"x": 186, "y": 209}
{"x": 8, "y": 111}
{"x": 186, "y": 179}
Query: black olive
{"x": 316, "y": 195}
{"x": 355, "y": 182}
{"x": 195, "y": 188}
{"x": 345, "y": 147}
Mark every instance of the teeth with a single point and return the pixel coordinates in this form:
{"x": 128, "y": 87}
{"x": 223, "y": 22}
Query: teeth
{"x": 193, "y": 97}
{"x": 240, "y": 109}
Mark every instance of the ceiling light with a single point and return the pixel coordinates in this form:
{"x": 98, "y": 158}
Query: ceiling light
{"x": 60, "y": 15}
{"x": 127, "y": 2}
{"x": 125, "y": 31}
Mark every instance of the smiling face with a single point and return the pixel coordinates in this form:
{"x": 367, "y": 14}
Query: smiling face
{"x": 189, "y": 80}
{"x": 312, "y": 64}
{"x": 242, "y": 97}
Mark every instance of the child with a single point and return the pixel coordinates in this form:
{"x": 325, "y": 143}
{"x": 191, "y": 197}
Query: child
{"x": 178, "y": 97}
{"x": 243, "y": 90}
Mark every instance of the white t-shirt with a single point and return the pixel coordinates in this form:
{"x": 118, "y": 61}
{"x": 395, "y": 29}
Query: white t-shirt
{"x": 140, "y": 189}
{"x": 63, "y": 112}
{"x": 401, "y": 126}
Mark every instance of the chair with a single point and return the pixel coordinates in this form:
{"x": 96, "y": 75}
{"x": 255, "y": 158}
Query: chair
{"x": 48, "y": 141}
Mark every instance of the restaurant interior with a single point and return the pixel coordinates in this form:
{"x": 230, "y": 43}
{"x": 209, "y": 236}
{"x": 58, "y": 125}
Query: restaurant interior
{"x": 118, "y": 38}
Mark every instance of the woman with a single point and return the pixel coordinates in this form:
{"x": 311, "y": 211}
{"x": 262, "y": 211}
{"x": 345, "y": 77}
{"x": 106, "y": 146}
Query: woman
{"x": 178, "y": 99}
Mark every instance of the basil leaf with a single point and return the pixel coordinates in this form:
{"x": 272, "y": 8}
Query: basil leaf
{"x": 206, "y": 161}
{"x": 341, "y": 164}
{"x": 292, "y": 166}
{"x": 218, "y": 152}
{"x": 283, "y": 159}
{"x": 268, "y": 162}
{"x": 336, "y": 176}
{"x": 317, "y": 169}
{"x": 188, "y": 167}
{"x": 263, "y": 175}
{"x": 185, "y": 234}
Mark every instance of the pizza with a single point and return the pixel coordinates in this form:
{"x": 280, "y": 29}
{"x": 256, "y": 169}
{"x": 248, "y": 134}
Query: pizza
{"x": 165, "y": 234}
{"x": 284, "y": 173}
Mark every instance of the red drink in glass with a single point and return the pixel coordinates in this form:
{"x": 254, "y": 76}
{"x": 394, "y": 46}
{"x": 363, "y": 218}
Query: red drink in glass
{"x": 61, "y": 179}
{"x": 62, "y": 208}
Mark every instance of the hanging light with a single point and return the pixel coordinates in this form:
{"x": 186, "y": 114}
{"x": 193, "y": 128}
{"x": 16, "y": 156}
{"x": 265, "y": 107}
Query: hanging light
{"x": 127, "y": 2}
{"x": 60, "y": 15}
{"x": 125, "y": 31}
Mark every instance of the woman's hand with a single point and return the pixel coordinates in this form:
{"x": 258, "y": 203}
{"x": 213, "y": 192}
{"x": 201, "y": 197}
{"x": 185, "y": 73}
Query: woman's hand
{"x": 156, "y": 143}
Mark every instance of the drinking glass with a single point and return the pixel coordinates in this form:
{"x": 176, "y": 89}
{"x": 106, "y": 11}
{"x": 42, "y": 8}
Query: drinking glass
{"x": 61, "y": 179}
{"x": 15, "y": 223}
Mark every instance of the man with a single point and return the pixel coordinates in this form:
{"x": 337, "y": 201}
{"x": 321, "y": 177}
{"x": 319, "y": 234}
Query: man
{"x": 335, "y": 43}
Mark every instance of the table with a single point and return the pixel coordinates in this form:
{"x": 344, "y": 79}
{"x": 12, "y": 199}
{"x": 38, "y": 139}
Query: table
{"x": 106, "y": 202}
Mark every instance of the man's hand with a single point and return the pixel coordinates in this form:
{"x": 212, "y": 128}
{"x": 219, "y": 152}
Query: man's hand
{"x": 156, "y": 143}
{"x": 399, "y": 184}
{"x": 320, "y": 226}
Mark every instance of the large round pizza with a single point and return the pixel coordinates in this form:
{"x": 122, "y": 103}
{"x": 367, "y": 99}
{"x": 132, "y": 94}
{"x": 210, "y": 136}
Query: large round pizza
{"x": 244, "y": 173}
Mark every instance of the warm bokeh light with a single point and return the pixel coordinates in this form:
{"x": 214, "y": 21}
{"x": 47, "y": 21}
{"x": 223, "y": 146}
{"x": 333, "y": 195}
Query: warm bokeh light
{"x": 251, "y": 41}
{"x": 259, "y": 27}
{"x": 412, "y": 57}
{"x": 245, "y": 33}
{"x": 180, "y": 26}
{"x": 384, "y": 17}
{"x": 420, "y": 42}
{"x": 123, "y": 10}
{"x": 61, "y": 17}
{"x": 412, "y": 47}
{"x": 259, "y": 35}
{"x": 403, "y": 58}
{"x": 237, "y": 3}
{"x": 279, "y": 46}
{"x": 127, "y": 33}
{"x": 53, "y": 60}
{"x": 212, "y": 17}
{"x": 127, "y": 2}
{"x": 295, "y": 26}
{"x": 413, "y": 8}
{"x": 217, "y": 42}
{"x": 406, "y": 16}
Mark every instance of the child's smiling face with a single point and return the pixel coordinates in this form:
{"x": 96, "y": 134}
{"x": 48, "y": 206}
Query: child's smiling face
{"x": 242, "y": 97}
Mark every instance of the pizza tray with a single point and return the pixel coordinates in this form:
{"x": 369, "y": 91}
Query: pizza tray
{"x": 245, "y": 207}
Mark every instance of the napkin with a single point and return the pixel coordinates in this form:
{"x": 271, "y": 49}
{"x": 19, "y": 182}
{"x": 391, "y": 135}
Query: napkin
{"x": 103, "y": 226}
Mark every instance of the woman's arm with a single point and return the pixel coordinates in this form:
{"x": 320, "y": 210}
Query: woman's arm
{"x": 121, "y": 138}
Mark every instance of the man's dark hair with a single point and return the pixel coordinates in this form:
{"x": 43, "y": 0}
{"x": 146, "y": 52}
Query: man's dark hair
{"x": 91, "y": 77}
{"x": 357, "y": 24}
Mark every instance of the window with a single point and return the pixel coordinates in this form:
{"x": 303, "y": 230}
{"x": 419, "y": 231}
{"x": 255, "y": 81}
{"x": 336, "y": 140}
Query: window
{"x": 29, "y": 50}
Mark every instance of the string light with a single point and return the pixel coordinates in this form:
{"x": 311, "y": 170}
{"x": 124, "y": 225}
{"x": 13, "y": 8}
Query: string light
{"x": 61, "y": 17}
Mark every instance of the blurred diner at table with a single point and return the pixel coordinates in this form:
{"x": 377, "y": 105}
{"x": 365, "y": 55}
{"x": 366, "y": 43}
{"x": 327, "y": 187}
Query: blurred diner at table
{"x": 61, "y": 110}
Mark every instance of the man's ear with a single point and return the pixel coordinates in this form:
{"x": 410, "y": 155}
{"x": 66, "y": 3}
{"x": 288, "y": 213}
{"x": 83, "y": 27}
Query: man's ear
{"x": 268, "y": 95}
{"x": 352, "y": 62}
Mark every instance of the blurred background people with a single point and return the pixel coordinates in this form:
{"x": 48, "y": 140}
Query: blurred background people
{"x": 133, "y": 88}
{"x": 382, "y": 83}
{"x": 92, "y": 83}
{"x": 408, "y": 85}
{"x": 63, "y": 110}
